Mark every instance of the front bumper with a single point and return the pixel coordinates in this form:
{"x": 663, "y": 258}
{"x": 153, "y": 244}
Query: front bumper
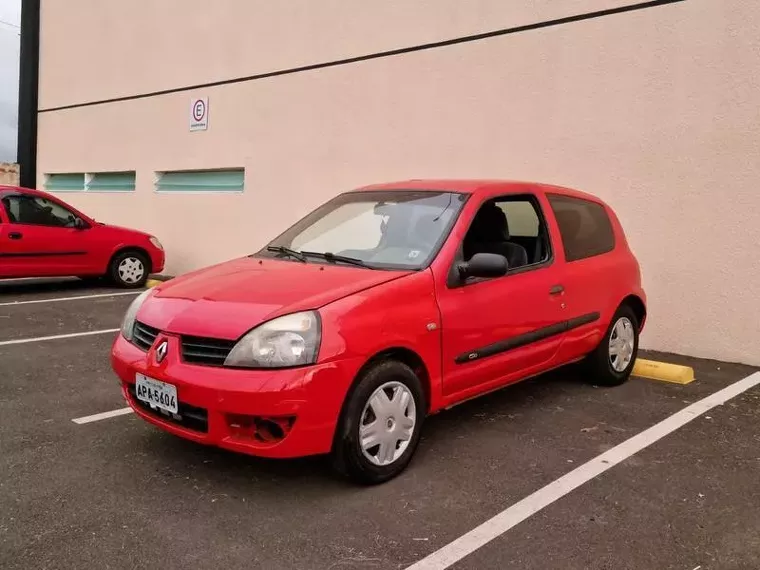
{"x": 157, "y": 260}
{"x": 227, "y": 407}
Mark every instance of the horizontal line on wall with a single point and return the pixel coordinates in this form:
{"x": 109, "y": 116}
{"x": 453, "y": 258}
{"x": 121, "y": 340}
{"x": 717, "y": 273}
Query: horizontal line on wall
{"x": 378, "y": 55}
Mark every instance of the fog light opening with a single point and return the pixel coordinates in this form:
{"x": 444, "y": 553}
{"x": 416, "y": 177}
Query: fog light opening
{"x": 264, "y": 429}
{"x": 272, "y": 430}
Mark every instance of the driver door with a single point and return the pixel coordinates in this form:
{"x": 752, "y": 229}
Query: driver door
{"x": 499, "y": 330}
{"x": 40, "y": 239}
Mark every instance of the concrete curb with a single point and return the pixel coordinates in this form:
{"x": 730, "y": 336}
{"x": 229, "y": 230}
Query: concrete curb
{"x": 156, "y": 280}
{"x": 663, "y": 371}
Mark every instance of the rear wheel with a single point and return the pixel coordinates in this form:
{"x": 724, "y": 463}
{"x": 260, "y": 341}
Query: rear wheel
{"x": 129, "y": 269}
{"x": 612, "y": 362}
{"x": 380, "y": 427}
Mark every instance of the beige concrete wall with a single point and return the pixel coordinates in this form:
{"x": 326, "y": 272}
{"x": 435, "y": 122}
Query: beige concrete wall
{"x": 95, "y": 49}
{"x": 655, "y": 111}
{"x": 9, "y": 173}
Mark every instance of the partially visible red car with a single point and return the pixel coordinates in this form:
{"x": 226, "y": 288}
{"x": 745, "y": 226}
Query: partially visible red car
{"x": 42, "y": 236}
{"x": 383, "y": 306}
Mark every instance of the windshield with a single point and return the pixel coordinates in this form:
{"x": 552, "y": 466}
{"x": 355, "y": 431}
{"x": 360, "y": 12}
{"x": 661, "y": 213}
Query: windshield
{"x": 379, "y": 229}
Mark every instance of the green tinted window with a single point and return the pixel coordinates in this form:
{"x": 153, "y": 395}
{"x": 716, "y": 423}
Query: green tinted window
{"x": 228, "y": 180}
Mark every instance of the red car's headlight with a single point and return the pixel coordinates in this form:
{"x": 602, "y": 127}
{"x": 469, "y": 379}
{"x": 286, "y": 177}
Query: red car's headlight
{"x": 128, "y": 322}
{"x": 290, "y": 340}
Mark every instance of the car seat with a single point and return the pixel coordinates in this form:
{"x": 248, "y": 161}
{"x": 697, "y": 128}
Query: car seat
{"x": 489, "y": 233}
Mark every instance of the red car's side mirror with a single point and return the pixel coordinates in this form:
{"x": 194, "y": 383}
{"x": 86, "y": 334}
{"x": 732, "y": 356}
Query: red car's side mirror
{"x": 484, "y": 265}
{"x": 80, "y": 224}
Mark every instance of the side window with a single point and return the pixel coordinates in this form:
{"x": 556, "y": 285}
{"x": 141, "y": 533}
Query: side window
{"x": 511, "y": 226}
{"x": 522, "y": 218}
{"x": 4, "y": 213}
{"x": 11, "y": 206}
{"x": 32, "y": 210}
{"x": 584, "y": 225}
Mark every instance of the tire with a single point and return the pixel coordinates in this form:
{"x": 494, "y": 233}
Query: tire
{"x": 606, "y": 368}
{"x": 373, "y": 465}
{"x": 129, "y": 269}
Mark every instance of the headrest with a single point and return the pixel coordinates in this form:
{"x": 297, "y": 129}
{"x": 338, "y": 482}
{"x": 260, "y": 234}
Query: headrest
{"x": 491, "y": 223}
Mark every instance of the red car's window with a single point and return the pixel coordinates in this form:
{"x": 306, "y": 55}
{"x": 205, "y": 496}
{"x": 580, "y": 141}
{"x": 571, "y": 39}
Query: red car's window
{"x": 511, "y": 226}
{"x": 383, "y": 229}
{"x": 33, "y": 210}
{"x": 584, "y": 226}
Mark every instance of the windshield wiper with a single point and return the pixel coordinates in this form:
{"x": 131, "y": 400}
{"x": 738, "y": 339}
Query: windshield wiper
{"x": 328, "y": 256}
{"x": 287, "y": 251}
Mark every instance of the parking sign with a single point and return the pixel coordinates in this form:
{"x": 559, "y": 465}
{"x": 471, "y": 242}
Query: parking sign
{"x": 199, "y": 113}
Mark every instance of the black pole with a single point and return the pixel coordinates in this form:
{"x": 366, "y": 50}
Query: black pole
{"x": 27, "y": 92}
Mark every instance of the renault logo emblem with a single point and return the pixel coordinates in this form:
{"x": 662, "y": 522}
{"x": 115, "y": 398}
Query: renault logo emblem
{"x": 161, "y": 351}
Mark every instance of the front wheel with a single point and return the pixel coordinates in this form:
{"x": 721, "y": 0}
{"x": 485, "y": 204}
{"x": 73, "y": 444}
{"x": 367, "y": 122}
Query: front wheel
{"x": 129, "y": 269}
{"x": 380, "y": 427}
{"x": 612, "y": 362}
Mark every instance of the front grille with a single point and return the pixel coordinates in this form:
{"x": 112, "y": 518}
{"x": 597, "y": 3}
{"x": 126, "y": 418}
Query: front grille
{"x": 195, "y": 349}
{"x": 143, "y": 336}
{"x": 188, "y": 416}
{"x": 205, "y": 351}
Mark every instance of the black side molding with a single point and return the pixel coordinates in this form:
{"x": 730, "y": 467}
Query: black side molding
{"x": 527, "y": 338}
{"x": 582, "y": 320}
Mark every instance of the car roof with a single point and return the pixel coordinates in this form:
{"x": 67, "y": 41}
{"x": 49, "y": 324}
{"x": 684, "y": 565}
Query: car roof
{"x": 478, "y": 187}
{"x": 20, "y": 189}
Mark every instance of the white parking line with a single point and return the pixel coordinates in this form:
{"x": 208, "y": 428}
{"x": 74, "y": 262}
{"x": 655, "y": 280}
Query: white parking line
{"x": 55, "y": 337}
{"x": 530, "y": 505}
{"x": 102, "y": 416}
{"x": 77, "y": 298}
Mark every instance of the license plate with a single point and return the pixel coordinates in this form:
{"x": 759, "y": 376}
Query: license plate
{"x": 157, "y": 394}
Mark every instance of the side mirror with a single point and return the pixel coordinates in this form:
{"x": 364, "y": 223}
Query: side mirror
{"x": 484, "y": 265}
{"x": 80, "y": 224}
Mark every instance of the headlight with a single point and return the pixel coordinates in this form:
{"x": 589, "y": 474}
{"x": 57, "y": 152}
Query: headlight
{"x": 291, "y": 340}
{"x": 129, "y": 318}
{"x": 155, "y": 242}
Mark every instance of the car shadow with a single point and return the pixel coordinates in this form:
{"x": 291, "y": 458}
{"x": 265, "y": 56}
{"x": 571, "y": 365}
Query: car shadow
{"x": 58, "y": 285}
{"x": 544, "y": 390}
{"x": 225, "y": 469}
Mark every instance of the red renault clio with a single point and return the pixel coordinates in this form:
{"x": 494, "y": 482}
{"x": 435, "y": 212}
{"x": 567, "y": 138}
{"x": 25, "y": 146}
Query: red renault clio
{"x": 382, "y": 306}
{"x": 42, "y": 236}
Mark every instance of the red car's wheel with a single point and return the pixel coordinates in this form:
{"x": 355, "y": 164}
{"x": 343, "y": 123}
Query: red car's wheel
{"x": 612, "y": 362}
{"x": 129, "y": 269}
{"x": 380, "y": 427}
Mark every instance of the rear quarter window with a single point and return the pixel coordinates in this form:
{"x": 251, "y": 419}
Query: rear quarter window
{"x": 585, "y": 227}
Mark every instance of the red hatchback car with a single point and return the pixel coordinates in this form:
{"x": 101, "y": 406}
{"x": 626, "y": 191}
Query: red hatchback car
{"x": 382, "y": 306}
{"x": 41, "y": 236}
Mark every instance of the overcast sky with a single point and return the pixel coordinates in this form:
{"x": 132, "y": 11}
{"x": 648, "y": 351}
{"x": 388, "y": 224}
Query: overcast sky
{"x": 10, "y": 16}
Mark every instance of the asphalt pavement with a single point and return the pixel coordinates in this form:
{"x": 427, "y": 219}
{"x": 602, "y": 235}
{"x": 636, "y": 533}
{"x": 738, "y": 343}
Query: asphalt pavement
{"x": 119, "y": 493}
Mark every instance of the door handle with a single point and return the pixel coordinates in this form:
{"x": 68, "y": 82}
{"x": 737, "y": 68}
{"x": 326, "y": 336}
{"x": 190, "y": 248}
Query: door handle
{"x": 15, "y": 235}
{"x": 556, "y": 290}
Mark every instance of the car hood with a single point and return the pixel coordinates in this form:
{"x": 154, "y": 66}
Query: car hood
{"x": 123, "y": 230}
{"x": 227, "y": 300}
